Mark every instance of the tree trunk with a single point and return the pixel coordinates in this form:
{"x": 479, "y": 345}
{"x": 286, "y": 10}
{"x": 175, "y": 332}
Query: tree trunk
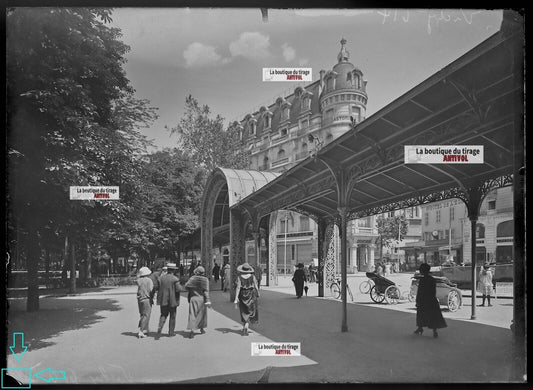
{"x": 65, "y": 263}
{"x": 32, "y": 262}
{"x": 89, "y": 261}
{"x": 72, "y": 269}
{"x": 47, "y": 266}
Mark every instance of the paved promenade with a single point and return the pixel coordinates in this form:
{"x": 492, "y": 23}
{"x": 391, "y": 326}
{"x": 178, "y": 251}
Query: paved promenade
{"x": 92, "y": 337}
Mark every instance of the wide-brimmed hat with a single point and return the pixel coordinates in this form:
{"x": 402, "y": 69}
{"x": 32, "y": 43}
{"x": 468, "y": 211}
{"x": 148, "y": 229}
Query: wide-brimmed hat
{"x": 300, "y": 265}
{"x": 199, "y": 270}
{"x": 486, "y": 265}
{"x": 172, "y": 266}
{"x": 245, "y": 268}
{"x": 144, "y": 271}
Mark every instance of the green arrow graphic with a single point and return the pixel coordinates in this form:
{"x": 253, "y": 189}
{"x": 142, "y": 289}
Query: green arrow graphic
{"x": 53, "y": 375}
{"x": 12, "y": 348}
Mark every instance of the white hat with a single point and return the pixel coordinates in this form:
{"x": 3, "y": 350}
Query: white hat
{"x": 144, "y": 271}
{"x": 172, "y": 266}
{"x": 245, "y": 268}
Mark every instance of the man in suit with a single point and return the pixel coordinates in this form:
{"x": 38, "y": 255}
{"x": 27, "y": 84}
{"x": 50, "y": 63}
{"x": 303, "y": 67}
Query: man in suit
{"x": 168, "y": 298}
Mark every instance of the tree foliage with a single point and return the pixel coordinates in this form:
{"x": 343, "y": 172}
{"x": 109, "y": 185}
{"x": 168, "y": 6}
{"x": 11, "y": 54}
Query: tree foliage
{"x": 206, "y": 140}
{"x": 169, "y": 207}
{"x": 391, "y": 229}
{"x": 72, "y": 120}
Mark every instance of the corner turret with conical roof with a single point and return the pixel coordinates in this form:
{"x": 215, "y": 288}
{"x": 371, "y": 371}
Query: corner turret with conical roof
{"x": 343, "y": 94}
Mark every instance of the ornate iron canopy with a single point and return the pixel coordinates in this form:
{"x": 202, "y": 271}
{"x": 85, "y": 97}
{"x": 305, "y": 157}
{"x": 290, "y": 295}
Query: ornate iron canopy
{"x": 469, "y": 102}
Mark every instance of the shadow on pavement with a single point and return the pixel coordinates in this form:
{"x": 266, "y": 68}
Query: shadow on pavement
{"x": 378, "y": 347}
{"x": 55, "y": 316}
{"x": 131, "y": 334}
{"x": 59, "y": 292}
{"x": 228, "y": 330}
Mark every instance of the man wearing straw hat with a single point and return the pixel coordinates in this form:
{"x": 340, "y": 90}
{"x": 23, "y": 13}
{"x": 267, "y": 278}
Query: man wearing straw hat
{"x": 168, "y": 298}
{"x": 144, "y": 300}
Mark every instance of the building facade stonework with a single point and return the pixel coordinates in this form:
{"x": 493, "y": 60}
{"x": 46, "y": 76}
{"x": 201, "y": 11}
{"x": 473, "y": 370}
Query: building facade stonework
{"x": 291, "y": 129}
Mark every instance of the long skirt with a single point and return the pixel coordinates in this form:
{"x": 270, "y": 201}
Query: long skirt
{"x": 299, "y": 287}
{"x": 430, "y": 315}
{"x": 248, "y": 306}
{"x": 197, "y": 313}
{"x": 485, "y": 289}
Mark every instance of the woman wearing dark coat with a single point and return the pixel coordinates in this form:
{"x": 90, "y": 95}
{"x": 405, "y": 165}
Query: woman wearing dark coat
{"x": 198, "y": 287}
{"x": 427, "y": 305}
{"x": 299, "y": 280}
{"x": 246, "y": 296}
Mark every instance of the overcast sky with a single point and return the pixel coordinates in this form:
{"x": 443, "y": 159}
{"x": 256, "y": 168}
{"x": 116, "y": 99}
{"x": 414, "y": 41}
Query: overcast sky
{"x": 217, "y": 55}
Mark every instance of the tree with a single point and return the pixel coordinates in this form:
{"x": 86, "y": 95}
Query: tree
{"x": 71, "y": 120}
{"x": 390, "y": 229}
{"x": 168, "y": 213}
{"x": 206, "y": 140}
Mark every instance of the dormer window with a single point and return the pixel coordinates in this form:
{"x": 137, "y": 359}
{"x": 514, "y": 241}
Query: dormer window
{"x": 239, "y": 129}
{"x": 329, "y": 84}
{"x": 298, "y": 92}
{"x": 252, "y": 127}
{"x": 267, "y": 119}
{"x": 330, "y": 80}
{"x": 357, "y": 81}
{"x": 283, "y": 132}
{"x": 306, "y": 103}
{"x": 285, "y": 111}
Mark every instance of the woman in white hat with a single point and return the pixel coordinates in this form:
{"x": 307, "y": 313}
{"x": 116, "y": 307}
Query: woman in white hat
{"x": 144, "y": 300}
{"x": 246, "y": 296}
{"x": 198, "y": 287}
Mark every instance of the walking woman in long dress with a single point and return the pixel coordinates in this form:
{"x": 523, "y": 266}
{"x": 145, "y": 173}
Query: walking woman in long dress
{"x": 246, "y": 296}
{"x": 427, "y": 305}
{"x": 299, "y": 280}
{"x": 198, "y": 287}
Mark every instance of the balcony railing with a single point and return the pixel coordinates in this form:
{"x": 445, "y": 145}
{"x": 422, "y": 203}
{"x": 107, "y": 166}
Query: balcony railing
{"x": 302, "y": 155}
{"x": 364, "y": 231}
{"x": 281, "y": 161}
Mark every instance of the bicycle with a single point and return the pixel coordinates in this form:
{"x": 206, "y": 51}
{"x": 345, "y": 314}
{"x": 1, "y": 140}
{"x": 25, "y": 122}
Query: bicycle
{"x": 366, "y": 286}
{"x": 336, "y": 289}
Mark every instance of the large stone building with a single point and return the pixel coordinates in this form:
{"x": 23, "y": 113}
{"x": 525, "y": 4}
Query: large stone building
{"x": 446, "y": 232}
{"x": 290, "y": 130}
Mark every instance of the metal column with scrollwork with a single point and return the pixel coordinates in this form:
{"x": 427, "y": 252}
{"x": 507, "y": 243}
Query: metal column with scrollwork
{"x": 322, "y": 253}
{"x": 330, "y": 271}
{"x": 272, "y": 279}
